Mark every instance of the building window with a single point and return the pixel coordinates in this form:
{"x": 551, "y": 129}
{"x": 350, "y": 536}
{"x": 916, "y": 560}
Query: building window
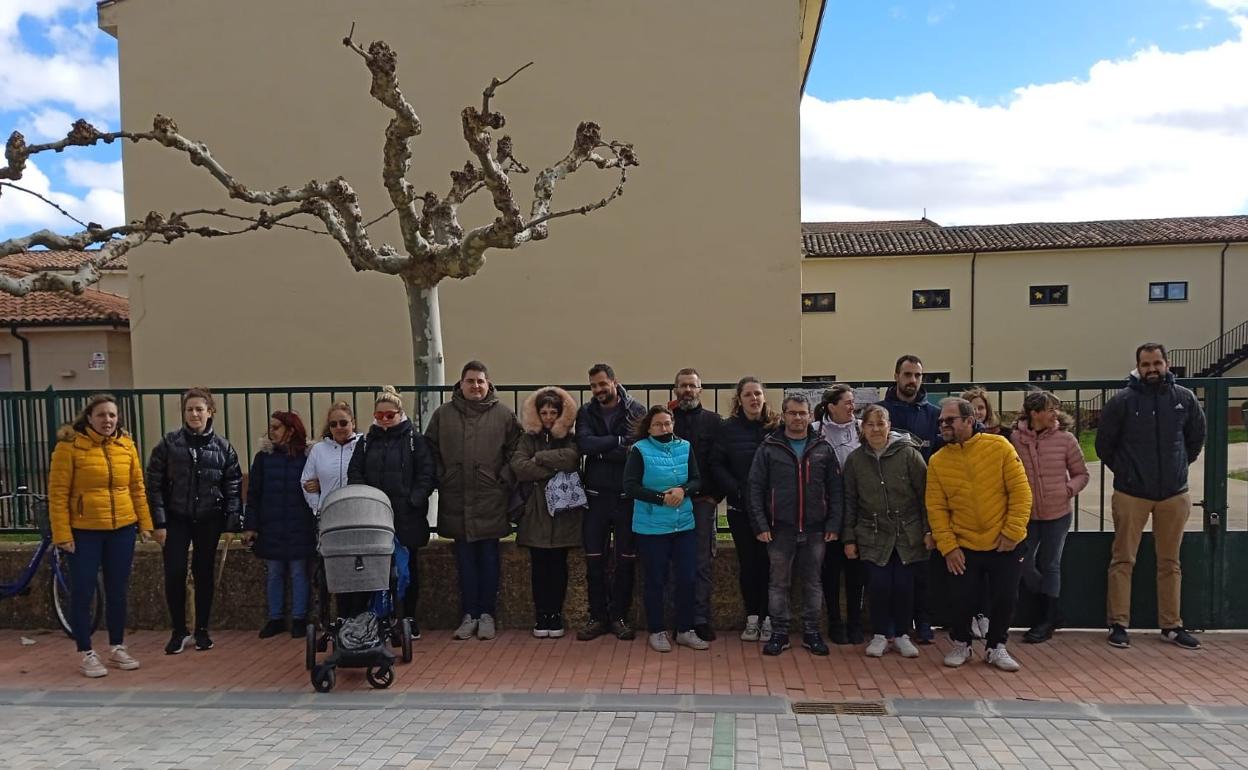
{"x": 935, "y": 378}
{"x": 818, "y": 378}
{"x": 823, "y": 302}
{"x": 1049, "y": 295}
{"x": 929, "y": 299}
{"x": 1046, "y": 375}
{"x": 1167, "y": 291}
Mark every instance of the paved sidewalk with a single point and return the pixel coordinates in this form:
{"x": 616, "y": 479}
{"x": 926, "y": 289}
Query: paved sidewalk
{"x": 1077, "y": 667}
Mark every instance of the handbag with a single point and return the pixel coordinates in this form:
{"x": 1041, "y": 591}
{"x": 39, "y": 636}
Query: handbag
{"x": 564, "y": 492}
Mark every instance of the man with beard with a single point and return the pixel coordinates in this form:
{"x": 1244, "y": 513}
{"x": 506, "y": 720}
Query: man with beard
{"x": 910, "y": 411}
{"x": 604, "y": 435}
{"x": 1149, "y": 433}
{"x": 699, "y": 427}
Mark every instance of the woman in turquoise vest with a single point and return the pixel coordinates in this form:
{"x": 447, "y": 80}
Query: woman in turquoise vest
{"x": 661, "y": 476}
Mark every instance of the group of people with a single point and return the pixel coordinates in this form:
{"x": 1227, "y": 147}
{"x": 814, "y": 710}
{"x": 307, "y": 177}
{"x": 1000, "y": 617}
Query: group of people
{"x": 846, "y": 498}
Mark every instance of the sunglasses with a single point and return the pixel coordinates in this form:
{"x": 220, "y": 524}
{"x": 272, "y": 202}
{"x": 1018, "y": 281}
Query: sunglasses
{"x": 339, "y": 423}
{"x": 385, "y": 415}
{"x": 947, "y": 420}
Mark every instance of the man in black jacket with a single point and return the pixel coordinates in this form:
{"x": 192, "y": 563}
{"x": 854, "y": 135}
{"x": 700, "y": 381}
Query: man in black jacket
{"x": 604, "y": 434}
{"x": 797, "y": 505}
{"x": 700, "y": 428}
{"x": 1148, "y": 434}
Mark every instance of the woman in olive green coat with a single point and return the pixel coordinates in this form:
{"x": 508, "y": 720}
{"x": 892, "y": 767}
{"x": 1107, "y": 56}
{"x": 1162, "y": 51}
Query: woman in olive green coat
{"x": 546, "y": 448}
{"x": 886, "y": 526}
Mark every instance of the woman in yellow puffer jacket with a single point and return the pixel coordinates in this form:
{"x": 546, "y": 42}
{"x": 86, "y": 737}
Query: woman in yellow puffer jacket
{"x": 97, "y": 504}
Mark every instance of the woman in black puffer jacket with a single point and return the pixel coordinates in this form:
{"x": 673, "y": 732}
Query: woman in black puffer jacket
{"x": 194, "y": 486}
{"x": 395, "y": 458}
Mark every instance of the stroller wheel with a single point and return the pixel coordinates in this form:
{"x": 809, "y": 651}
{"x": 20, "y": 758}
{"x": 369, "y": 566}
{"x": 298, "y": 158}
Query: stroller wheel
{"x": 323, "y": 678}
{"x": 380, "y": 677}
{"x": 405, "y": 630}
{"x": 310, "y": 645}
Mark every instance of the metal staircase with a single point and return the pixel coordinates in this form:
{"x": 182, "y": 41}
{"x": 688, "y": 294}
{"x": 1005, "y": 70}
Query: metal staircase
{"x": 1214, "y": 359}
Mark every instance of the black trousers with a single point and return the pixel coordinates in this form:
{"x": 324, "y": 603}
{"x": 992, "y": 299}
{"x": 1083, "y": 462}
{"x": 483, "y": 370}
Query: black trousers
{"x": 550, "y": 579}
{"x": 180, "y": 535}
{"x": 753, "y": 567}
{"x": 606, "y": 528}
{"x": 838, "y": 570}
{"x": 1001, "y": 571}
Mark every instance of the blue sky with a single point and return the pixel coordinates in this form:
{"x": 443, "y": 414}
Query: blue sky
{"x": 978, "y": 111}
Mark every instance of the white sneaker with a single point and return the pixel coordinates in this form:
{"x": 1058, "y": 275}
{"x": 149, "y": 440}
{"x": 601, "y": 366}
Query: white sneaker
{"x": 752, "y": 629}
{"x": 691, "y": 639}
{"x": 485, "y": 627}
{"x": 764, "y": 633}
{"x": 1000, "y": 657}
{"x": 960, "y": 654}
{"x": 906, "y": 647}
{"x": 660, "y": 643}
{"x": 92, "y": 666}
{"x": 117, "y": 656}
{"x": 979, "y": 627}
{"x": 877, "y": 646}
{"x": 467, "y": 628}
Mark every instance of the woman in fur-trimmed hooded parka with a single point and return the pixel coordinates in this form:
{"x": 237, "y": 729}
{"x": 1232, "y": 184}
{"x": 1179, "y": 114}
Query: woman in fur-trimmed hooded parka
{"x": 546, "y": 448}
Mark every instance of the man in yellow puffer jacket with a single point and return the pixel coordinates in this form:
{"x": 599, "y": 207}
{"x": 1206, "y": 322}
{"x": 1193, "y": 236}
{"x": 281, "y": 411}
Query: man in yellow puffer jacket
{"x": 978, "y": 505}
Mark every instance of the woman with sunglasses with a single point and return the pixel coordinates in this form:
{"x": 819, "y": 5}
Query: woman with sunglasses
{"x": 395, "y": 458}
{"x": 279, "y": 523}
{"x": 326, "y": 469}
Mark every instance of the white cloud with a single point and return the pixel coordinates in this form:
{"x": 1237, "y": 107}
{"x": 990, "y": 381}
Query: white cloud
{"x": 90, "y": 173}
{"x": 71, "y": 73}
{"x": 45, "y": 125}
{"x": 22, "y": 212}
{"x": 1159, "y": 134}
{"x": 1230, "y": 6}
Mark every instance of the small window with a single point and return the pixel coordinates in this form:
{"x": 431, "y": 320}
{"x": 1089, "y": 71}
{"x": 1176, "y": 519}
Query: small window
{"x": 936, "y": 378}
{"x": 1167, "y": 291}
{"x": 818, "y": 378}
{"x": 929, "y": 299}
{"x": 823, "y": 302}
{"x": 1049, "y": 295}
{"x": 1179, "y": 371}
{"x": 1046, "y": 375}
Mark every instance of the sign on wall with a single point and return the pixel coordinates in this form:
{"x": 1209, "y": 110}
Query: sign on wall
{"x": 98, "y": 362}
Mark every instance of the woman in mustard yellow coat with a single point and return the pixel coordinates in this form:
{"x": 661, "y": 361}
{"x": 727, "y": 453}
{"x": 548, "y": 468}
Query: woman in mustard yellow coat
{"x": 97, "y": 504}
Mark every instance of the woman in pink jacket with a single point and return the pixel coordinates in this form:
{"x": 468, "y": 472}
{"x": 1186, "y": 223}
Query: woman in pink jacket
{"x": 1056, "y": 472}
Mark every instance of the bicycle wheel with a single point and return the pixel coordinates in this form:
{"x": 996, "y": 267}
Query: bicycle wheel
{"x": 58, "y": 595}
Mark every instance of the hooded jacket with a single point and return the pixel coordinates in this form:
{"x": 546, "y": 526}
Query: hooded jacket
{"x": 194, "y": 476}
{"x": 802, "y": 494}
{"x": 919, "y": 419}
{"x": 731, "y": 456}
{"x": 1055, "y": 469}
{"x": 399, "y": 462}
{"x": 604, "y": 442}
{"x": 327, "y": 463}
{"x": 276, "y": 511}
{"x": 1148, "y": 435}
{"x": 976, "y": 492}
{"x": 885, "y": 508}
{"x": 539, "y": 455}
{"x": 473, "y": 442}
{"x": 843, "y": 438}
{"x": 700, "y": 427}
{"x": 95, "y": 482}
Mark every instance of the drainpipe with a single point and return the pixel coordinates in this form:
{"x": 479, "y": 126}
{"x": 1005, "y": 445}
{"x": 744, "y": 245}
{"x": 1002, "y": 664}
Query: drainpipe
{"x": 974, "y": 254}
{"x": 25, "y": 356}
{"x": 1222, "y": 303}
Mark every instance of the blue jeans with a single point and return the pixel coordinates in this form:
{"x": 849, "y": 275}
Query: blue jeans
{"x": 786, "y": 551}
{"x": 275, "y": 587}
{"x": 111, "y": 550}
{"x": 891, "y": 590}
{"x": 658, "y": 553}
{"x": 1042, "y": 572}
{"x": 477, "y": 563}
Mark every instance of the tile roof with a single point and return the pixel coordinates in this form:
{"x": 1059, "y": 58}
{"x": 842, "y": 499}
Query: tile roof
{"x": 854, "y": 227}
{"x": 825, "y": 240}
{"x": 31, "y": 261}
{"x": 55, "y": 308}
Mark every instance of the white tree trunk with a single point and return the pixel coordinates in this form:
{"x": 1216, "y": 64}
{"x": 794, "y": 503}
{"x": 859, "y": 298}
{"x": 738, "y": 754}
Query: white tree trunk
{"x": 427, "y": 359}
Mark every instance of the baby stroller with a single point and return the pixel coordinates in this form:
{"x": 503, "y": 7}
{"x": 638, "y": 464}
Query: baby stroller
{"x": 356, "y": 546}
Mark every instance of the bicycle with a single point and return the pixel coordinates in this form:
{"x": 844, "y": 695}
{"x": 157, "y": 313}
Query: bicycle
{"x": 59, "y": 581}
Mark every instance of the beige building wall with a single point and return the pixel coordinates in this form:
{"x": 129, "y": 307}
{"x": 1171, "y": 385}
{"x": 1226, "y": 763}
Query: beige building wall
{"x": 695, "y": 265}
{"x": 61, "y": 358}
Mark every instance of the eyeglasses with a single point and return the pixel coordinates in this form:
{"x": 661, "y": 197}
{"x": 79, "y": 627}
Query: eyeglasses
{"x": 343, "y": 423}
{"x": 385, "y": 415}
{"x": 948, "y": 420}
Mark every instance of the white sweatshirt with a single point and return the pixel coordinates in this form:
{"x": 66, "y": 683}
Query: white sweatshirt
{"x": 327, "y": 463}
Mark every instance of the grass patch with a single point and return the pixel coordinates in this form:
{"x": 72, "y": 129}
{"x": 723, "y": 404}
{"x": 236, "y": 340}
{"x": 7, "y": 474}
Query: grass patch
{"x": 1239, "y": 475}
{"x": 15, "y": 537}
{"x": 1087, "y": 441}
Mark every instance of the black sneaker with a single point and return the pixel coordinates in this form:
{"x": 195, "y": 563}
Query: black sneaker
{"x": 854, "y": 633}
{"x": 923, "y": 633}
{"x": 622, "y": 630}
{"x": 1118, "y": 637}
{"x": 273, "y": 628}
{"x": 837, "y": 633}
{"x": 555, "y": 625}
{"x": 1181, "y": 637}
{"x": 593, "y": 630}
{"x": 202, "y": 640}
{"x": 812, "y": 641}
{"x": 777, "y": 644}
{"x": 178, "y": 642}
{"x": 298, "y": 628}
{"x": 704, "y": 631}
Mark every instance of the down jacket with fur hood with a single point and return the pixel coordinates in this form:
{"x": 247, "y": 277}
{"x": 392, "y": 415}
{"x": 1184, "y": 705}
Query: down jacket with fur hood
{"x": 539, "y": 455}
{"x": 1055, "y": 469}
{"x": 96, "y": 482}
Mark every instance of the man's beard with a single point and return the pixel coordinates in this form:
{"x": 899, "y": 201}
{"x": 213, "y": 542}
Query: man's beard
{"x": 604, "y": 396}
{"x": 687, "y": 402}
{"x": 908, "y": 390}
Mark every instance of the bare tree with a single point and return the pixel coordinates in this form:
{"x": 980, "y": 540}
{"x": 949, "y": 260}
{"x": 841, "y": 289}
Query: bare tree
{"x": 435, "y": 245}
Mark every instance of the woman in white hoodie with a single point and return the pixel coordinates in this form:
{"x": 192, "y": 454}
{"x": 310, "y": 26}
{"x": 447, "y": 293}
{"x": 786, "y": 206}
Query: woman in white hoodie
{"x": 326, "y": 469}
{"x": 837, "y": 424}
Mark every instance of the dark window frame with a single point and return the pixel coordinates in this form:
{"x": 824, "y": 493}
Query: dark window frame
{"x": 814, "y": 296}
{"x": 1038, "y": 375}
{"x": 931, "y": 299}
{"x": 1166, "y": 287}
{"x": 1047, "y": 292}
{"x": 937, "y": 378}
{"x": 816, "y": 378}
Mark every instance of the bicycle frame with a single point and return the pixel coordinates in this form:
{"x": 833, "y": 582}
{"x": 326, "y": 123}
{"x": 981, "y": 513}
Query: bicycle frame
{"x": 22, "y": 584}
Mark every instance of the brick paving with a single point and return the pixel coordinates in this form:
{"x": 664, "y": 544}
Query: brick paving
{"x": 1077, "y": 667}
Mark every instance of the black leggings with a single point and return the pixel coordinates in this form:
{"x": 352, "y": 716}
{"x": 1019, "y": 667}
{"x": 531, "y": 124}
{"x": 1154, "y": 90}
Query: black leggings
{"x": 753, "y": 567}
{"x": 550, "y": 579}
{"x": 181, "y": 534}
